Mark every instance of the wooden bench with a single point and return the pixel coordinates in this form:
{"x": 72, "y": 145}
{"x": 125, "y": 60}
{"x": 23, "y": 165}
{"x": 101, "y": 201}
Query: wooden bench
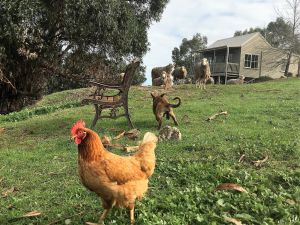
{"x": 102, "y": 100}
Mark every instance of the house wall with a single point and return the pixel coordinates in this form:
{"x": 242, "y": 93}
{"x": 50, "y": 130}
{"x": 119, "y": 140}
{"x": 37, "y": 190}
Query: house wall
{"x": 294, "y": 66}
{"x": 272, "y": 61}
{"x": 256, "y": 46}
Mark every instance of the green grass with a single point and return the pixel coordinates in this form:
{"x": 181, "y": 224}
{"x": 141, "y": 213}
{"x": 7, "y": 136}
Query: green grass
{"x": 38, "y": 159}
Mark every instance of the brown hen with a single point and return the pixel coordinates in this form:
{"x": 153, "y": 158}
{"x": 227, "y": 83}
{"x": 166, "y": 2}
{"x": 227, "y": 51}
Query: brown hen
{"x": 117, "y": 180}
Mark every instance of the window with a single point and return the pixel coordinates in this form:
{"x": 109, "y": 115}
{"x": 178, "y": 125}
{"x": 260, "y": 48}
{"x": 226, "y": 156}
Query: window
{"x": 247, "y": 61}
{"x": 251, "y": 61}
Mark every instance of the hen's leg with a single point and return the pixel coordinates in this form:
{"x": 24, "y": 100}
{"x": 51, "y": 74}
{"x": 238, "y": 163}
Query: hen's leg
{"x": 103, "y": 216}
{"x": 107, "y": 205}
{"x": 132, "y": 214}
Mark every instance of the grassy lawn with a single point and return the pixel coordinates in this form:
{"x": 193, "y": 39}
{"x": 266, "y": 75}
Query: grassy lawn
{"x": 39, "y": 162}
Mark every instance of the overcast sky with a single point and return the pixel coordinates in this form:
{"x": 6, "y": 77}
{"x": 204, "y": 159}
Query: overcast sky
{"x": 211, "y": 18}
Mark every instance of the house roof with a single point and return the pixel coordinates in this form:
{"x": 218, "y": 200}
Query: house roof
{"x": 237, "y": 41}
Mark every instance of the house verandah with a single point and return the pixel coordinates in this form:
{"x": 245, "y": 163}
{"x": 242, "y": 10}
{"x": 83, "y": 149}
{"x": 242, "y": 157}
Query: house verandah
{"x": 224, "y": 63}
{"x": 248, "y": 55}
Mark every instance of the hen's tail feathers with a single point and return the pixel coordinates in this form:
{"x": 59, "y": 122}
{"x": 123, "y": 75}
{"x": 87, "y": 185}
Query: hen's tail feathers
{"x": 149, "y": 137}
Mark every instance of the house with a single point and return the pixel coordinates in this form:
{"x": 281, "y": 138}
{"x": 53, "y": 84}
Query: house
{"x": 249, "y": 55}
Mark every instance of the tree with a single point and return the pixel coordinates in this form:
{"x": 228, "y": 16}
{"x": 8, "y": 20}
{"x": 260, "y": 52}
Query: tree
{"x": 276, "y": 33}
{"x": 40, "y": 39}
{"x": 284, "y": 33}
{"x": 291, "y": 16}
{"x": 249, "y": 31}
{"x": 184, "y": 55}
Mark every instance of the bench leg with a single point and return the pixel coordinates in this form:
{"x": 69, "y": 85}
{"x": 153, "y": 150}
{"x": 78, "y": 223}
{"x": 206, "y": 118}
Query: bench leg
{"x": 128, "y": 116}
{"x": 98, "y": 111}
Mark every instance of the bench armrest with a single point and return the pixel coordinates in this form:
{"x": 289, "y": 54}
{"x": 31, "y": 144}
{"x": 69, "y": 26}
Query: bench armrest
{"x": 106, "y": 85}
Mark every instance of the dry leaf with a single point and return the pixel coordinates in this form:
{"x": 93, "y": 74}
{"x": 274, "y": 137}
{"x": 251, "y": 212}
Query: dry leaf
{"x": 290, "y": 201}
{"x": 259, "y": 163}
{"x": 120, "y": 135}
{"x": 186, "y": 119}
{"x": 32, "y": 214}
{"x": 131, "y": 148}
{"x": 11, "y": 206}
{"x": 1, "y": 130}
{"x": 68, "y": 221}
{"x": 230, "y": 186}
{"x": 132, "y": 134}
{"x": 233, "y": 220}
{"x": 8, "y": 191}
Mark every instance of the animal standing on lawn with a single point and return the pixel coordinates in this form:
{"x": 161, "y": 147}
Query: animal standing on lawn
{"x": 161, "y": 107}
{"x": 117, "y": 180}
{"x": 202, "y": 73}
{"x": 157, "y": 72}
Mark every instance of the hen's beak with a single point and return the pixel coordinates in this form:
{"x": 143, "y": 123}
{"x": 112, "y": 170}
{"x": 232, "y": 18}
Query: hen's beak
{"x": 73, "y": 137}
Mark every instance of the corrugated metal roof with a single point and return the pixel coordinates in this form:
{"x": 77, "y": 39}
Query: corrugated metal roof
{"x": 237, "y": 41}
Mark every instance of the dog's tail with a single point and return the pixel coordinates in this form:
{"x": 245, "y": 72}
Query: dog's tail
{"x": 176, "y": 105}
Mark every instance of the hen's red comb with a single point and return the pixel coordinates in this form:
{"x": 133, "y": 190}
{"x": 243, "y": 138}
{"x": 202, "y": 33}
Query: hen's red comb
{"x": 76, "y": 126}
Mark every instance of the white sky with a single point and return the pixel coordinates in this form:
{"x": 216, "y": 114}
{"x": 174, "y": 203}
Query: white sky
{"x": 211, "y": 18}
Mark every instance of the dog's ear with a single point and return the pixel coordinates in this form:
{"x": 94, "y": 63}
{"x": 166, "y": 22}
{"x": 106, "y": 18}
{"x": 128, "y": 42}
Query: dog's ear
{"x": 153, "y": 95}
{"x": 162, "y": 95}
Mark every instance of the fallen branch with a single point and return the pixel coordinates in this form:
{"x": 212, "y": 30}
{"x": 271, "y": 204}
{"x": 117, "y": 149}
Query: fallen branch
{"x": 34, "y": 213}
{"x": 242, "y": 158}
{"x": 259, "y": 163}
{"x": 214, "y": 116}
{"x": 120, "y": 135}
{"x": 118, "y": 146}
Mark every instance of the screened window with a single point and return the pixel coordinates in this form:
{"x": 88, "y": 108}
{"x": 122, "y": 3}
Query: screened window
{"x": 251, "y": 61}
{"x": 230, "y": 57}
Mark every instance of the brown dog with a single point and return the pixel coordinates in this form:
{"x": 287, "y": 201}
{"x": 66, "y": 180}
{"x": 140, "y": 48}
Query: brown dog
{"x": 161, "y": 107}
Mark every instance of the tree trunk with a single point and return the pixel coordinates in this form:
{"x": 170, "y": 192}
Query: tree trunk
{"x": 287, "y": 67}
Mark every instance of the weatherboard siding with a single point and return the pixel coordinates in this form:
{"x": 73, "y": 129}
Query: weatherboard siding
{"x": 254, "y": 46}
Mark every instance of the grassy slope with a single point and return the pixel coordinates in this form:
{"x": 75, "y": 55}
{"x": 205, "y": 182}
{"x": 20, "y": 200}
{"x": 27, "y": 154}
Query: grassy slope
{"x": 37, "y": 158}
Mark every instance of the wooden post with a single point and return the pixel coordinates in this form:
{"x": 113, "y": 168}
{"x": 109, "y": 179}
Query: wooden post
{"x": 226, "y": 66}
{"x": 214, "y": 64}
{"x": 260, "y": 64}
